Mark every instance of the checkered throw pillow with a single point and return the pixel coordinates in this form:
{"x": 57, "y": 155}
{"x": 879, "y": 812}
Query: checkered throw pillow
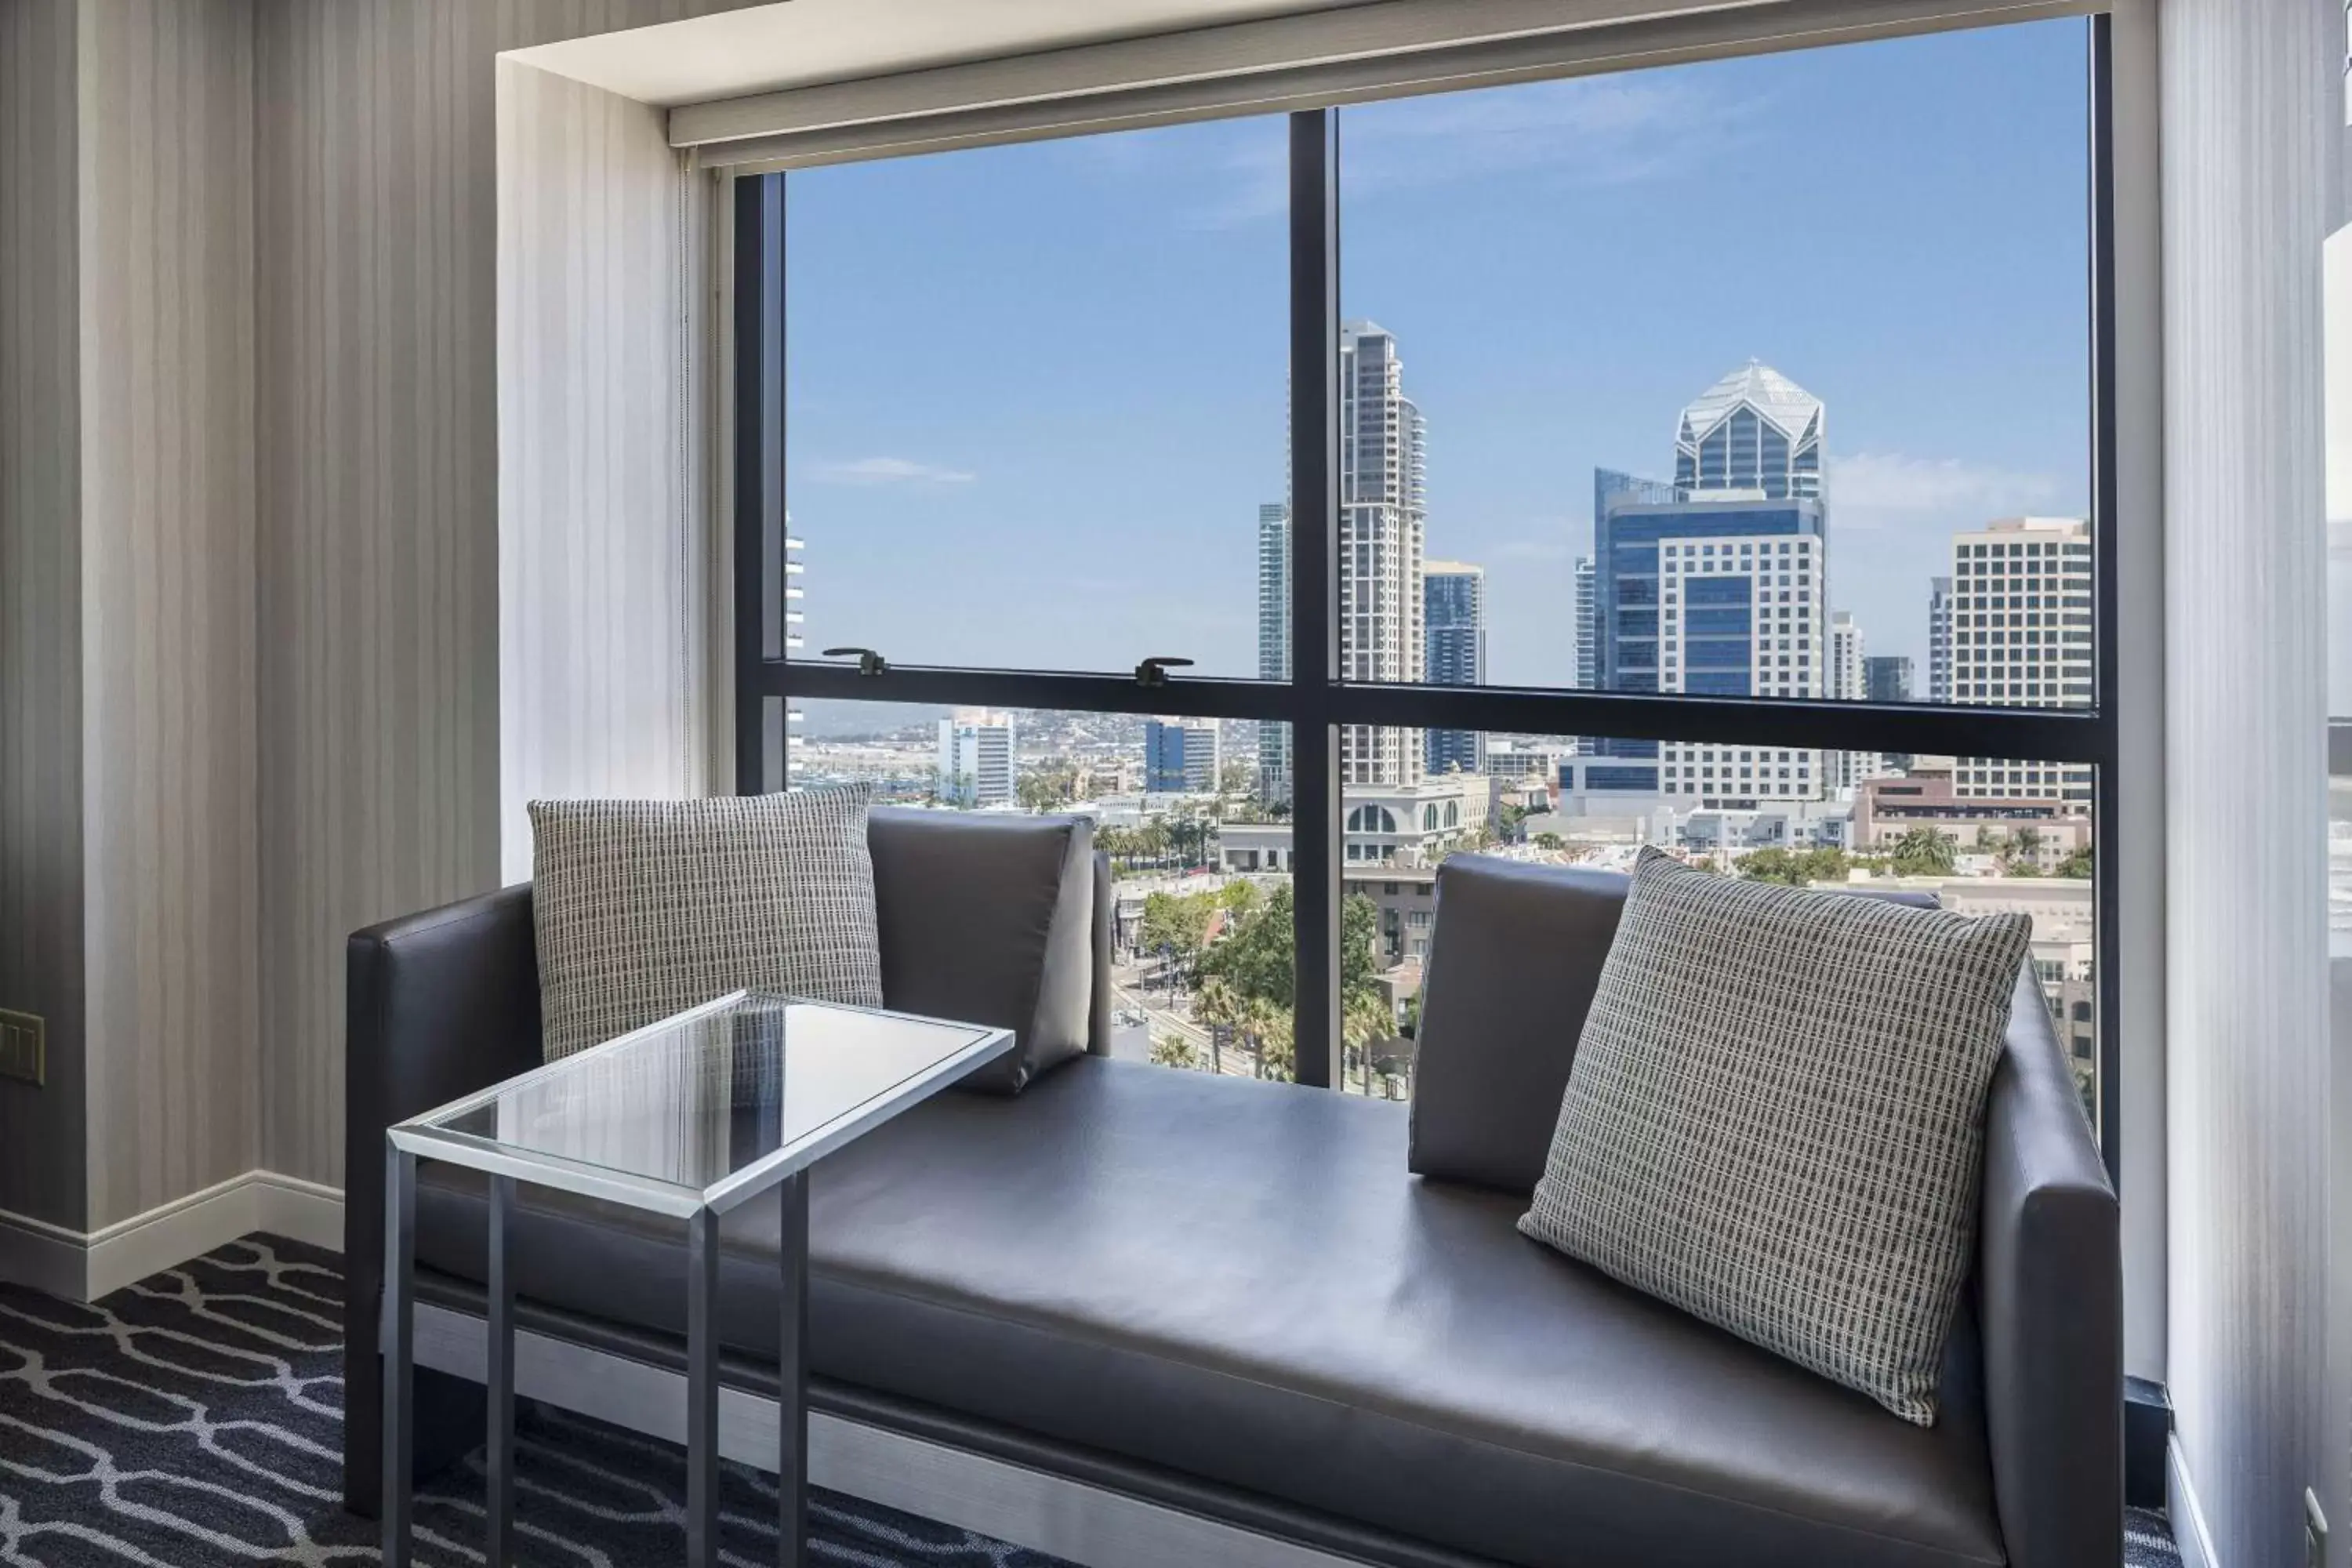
{"x": 1775, "y": 1119}
{"x": 645, "y": 908}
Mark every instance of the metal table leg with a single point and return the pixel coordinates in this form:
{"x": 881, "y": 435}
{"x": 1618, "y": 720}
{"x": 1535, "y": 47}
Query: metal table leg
{"x": 399, "y": 1349}
{"x": 792, "y": 1377}
{"x": 702, "y": 1390}
{"x": 499, "y": 1378}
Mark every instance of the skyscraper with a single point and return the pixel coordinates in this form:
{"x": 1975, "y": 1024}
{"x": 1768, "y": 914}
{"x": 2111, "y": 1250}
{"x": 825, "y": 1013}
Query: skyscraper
{"x": 2021, "y": 638}
{"x": 1179, "y": 755}
{"x": 1849, "y": 682}
{"x": 1754, "y": 430}
{"x": 1887, "y": 678}
{"x": 1383, "y": 520}
{"x": 975, "y": 759}
{"x": 1274, "y": 643}
{"x": 1585, "y": 666}
{"x": 1939, "y": 639}
{"x": 1715, "y": 585}
{"x": 1453, "y": 613}
{"x": 1584, "y": 669}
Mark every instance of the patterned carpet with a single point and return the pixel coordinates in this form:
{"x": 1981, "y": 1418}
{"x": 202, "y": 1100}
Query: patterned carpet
{"x": 192, "y": 1421}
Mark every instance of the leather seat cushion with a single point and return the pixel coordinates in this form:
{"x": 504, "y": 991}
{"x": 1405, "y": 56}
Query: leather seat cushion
{"x": 1241, "y": 1282}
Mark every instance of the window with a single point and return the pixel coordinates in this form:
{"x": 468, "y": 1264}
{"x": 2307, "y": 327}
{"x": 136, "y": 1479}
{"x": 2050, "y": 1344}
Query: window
{"x": 1737, "y": 490}
{"x": 1051, "y": 373}
{"x": 1200, "y": 881}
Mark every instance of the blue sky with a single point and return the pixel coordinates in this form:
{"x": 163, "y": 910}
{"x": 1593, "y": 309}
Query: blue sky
{"x": 1037, "y": 393}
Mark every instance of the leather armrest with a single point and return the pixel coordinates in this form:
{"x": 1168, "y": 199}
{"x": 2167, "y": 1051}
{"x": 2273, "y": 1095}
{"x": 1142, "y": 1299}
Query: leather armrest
{"x": 438, "y": 1004}
{"x": 2050, "y": 1284}
{"x": 1100, "y": 1022}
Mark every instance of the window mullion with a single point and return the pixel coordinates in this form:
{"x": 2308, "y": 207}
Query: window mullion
{"x": 1314, "y": 588}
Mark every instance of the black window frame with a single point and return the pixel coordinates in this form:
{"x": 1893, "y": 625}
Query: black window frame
{"x": 1314, "y": 701}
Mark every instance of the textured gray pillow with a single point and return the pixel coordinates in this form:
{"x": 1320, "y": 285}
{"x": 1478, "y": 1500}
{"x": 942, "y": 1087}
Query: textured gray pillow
{"x": 645, "y": 908}
{"x": 1775, "y": 1119}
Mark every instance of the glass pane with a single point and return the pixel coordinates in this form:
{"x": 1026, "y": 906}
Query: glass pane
{"x": 1199, "y": 853}
{"x": 1764, "y": 377}
{"x": 1983, "y": 835}
{"x": 1036, "y": 398}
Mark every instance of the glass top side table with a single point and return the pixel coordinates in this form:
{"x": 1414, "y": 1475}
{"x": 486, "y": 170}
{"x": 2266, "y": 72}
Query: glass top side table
{"x": 689, "y": 1118}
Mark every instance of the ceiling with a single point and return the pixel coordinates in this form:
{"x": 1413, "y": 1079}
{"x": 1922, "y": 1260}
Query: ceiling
{"x": 799, "y": 42}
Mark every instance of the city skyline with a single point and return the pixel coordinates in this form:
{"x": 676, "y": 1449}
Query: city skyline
{"x": 1118, "y": 338}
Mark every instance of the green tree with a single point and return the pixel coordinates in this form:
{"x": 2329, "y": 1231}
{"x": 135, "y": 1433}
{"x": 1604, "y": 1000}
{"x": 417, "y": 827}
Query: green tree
{"x": 1551, "y": 841}
{"x": 1769, "y": 865}
{"x": 1924, "y": 852}
{"x": 2024, "y": 855}
{"x": 1178, "y": 923}
{"x": 2079, "y": 865}
{"x": 1175, "y": 1051}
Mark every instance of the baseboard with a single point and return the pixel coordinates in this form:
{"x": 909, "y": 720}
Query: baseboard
{"x": 83, "y": 1267}
{"x": 2187, "y": 1517}
{"x": 48, "y": 1257}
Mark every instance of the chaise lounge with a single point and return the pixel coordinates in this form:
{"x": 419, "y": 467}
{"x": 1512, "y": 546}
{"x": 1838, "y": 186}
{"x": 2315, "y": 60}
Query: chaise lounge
{"x": 1277, "y": 1317}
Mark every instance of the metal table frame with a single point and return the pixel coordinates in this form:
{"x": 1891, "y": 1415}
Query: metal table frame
{"x": 785, "y": 1170}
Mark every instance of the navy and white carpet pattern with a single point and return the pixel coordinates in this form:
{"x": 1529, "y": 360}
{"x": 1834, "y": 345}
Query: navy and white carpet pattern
{"x": 193, "y": 1420}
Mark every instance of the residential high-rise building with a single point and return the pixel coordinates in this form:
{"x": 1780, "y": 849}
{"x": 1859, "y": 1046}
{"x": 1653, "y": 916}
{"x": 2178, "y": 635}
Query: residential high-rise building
{"x": 1585, "y": 669}
{"x": 1939, "y": 639}
{"x": 1179, "y": 755}
{"x": 2022, "y": 627}
{"x": 1849, "y": 682}
{"x": 1274, "y": 643}
{"x": 795, "y": 619}
{"x": 975, "y": 759}
{"x": 1754, "y": 430}
{"x": 1717, "y": 584}
{"x": 1887, "y": 678}
{"x": 1383, "y": 520}
{"x": 1453, "y": 618}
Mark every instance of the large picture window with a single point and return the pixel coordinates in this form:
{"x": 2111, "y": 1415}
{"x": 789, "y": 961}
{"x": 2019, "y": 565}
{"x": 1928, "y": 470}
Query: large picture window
{"x": 1716, "y": 457}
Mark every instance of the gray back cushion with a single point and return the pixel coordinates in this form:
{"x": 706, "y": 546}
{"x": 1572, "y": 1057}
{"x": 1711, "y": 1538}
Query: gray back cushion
{"x": 645, "y": 908}
{"x": 989, "y": 919}
{"x": 1514, "y": 956}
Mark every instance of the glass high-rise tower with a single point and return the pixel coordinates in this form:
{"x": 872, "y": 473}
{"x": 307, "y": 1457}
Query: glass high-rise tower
{"x": 1753, "y": 430}
{"x": 1453, "y": 612}
{"x": 1716, "y": 583}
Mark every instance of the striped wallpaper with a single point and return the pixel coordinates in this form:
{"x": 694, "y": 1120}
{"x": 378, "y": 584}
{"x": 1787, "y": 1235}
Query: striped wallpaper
{"x": 41, "y": 1131}
{"x": 380, "y": 725}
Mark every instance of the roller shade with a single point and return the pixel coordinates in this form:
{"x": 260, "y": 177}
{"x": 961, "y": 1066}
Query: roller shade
{"x": 1388, "y": 49}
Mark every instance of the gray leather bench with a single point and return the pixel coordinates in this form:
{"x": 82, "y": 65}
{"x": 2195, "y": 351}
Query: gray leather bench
{"x": 1241, "y": 1300}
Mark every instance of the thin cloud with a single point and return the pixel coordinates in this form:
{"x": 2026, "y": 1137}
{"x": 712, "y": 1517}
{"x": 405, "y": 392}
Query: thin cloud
{"x": 1590, "y": 130}
{"x": 1890, "y": 485}
{"x": 887, "y": 472}
{"x": 1580, "y": 133}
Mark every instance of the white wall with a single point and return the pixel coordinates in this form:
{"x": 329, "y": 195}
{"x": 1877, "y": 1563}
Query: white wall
{"x": 2250, "y": 111}
{"x": 604, "y": 568}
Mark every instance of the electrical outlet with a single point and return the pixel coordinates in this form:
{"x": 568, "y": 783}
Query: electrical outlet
{"x": 24, "y": 1052}
{"x": 2314, "y": 1531}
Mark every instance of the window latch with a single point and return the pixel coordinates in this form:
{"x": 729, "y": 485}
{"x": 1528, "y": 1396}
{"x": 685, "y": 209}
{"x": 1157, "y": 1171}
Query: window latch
{"x": 1154, "y": 671}
{"x": 868, "y": 661}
